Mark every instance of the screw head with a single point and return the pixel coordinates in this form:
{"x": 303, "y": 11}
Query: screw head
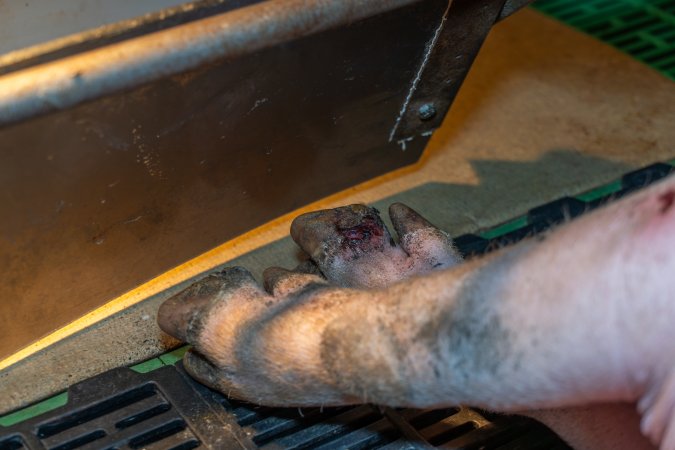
{"x": 426, "y": 112}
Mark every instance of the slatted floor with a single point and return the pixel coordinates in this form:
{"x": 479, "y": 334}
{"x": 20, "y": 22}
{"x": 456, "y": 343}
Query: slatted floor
{"x": 645, "y": 29}
{"x": 165, "y": 409}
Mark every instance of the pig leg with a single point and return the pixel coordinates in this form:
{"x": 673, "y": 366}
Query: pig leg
{"x": 597, "y": 427}
{"x": 602, "y": 426}
{"x": 582, "y": 316}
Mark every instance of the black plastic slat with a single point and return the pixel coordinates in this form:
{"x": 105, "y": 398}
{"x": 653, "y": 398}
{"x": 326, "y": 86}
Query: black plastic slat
{"x": 374, "y": 435}
{"x": 517, "y": 235}
{"x": 149, "y": 431}
{"x": 406, "y": 445}
{"x": 329, "y": 428}
{"x": 12, "y": 443}
{"x": 97, "y": 409}
{"x": 275, "y": 427}
{"x": 170, "y": 436}
{"x": 645, "y": 176}
{"x": 126, "y": 414}
{"x": 470, "y": 244}
{"x": 142, "y": 414}
{"x": 136, "y": 423}
{"x": 74, "y": 440}
{"x": 23, "y": 439}
{"x": 187, "y": 445}
{"x": 169, "y": 433}
{"x": 124, "y": 409}
{"x": 246, "y": 416}
{"x": 634, "y": 181}
{"x": 252, "y": 415}
{"x": 557, "y": 211}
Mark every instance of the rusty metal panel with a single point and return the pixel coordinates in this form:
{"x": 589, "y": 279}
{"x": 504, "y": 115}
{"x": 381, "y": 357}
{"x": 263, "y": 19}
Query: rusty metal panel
{"x": 103, "y": 196}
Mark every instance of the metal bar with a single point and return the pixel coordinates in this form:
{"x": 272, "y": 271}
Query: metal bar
{"x": 450, "y": 54}
{"x": 108, "y": 34}
{"x": 71, "y": 81}
{"x": 512, "y": 6}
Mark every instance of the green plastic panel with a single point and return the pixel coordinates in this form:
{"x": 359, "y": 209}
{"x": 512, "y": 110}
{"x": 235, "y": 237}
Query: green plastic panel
{"x": 645, "y": 29}
{"x": 34, "y": 410}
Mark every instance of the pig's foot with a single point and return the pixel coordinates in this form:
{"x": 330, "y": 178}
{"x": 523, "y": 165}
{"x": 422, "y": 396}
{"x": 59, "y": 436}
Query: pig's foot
{"x": 353, "y": 248}
{"x": 255, "y": 344}
{"x": 583, "y": 316}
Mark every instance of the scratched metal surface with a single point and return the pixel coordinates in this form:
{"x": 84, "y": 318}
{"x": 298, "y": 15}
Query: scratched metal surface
{"x": 102, "y": 197}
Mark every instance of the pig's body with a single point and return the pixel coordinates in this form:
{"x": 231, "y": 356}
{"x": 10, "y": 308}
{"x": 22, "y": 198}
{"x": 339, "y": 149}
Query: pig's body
{"x": 584, "y": 315}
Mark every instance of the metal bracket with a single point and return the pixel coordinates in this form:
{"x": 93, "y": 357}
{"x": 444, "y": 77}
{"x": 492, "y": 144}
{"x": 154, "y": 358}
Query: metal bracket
{"x": 446, "y": 61}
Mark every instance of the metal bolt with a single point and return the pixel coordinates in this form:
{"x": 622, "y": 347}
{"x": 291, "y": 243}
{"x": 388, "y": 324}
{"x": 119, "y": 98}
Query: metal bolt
{"x": 426, "y": 112}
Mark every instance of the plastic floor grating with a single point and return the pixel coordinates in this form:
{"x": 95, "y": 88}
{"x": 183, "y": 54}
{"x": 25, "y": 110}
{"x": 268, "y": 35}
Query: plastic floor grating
{"x": 645, "y": 29}
{"x": 158, "y": 406}
{"x": 165, "y": 409}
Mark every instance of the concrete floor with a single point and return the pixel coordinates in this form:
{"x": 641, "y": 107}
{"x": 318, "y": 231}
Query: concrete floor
{"x": 544, "y": 112}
